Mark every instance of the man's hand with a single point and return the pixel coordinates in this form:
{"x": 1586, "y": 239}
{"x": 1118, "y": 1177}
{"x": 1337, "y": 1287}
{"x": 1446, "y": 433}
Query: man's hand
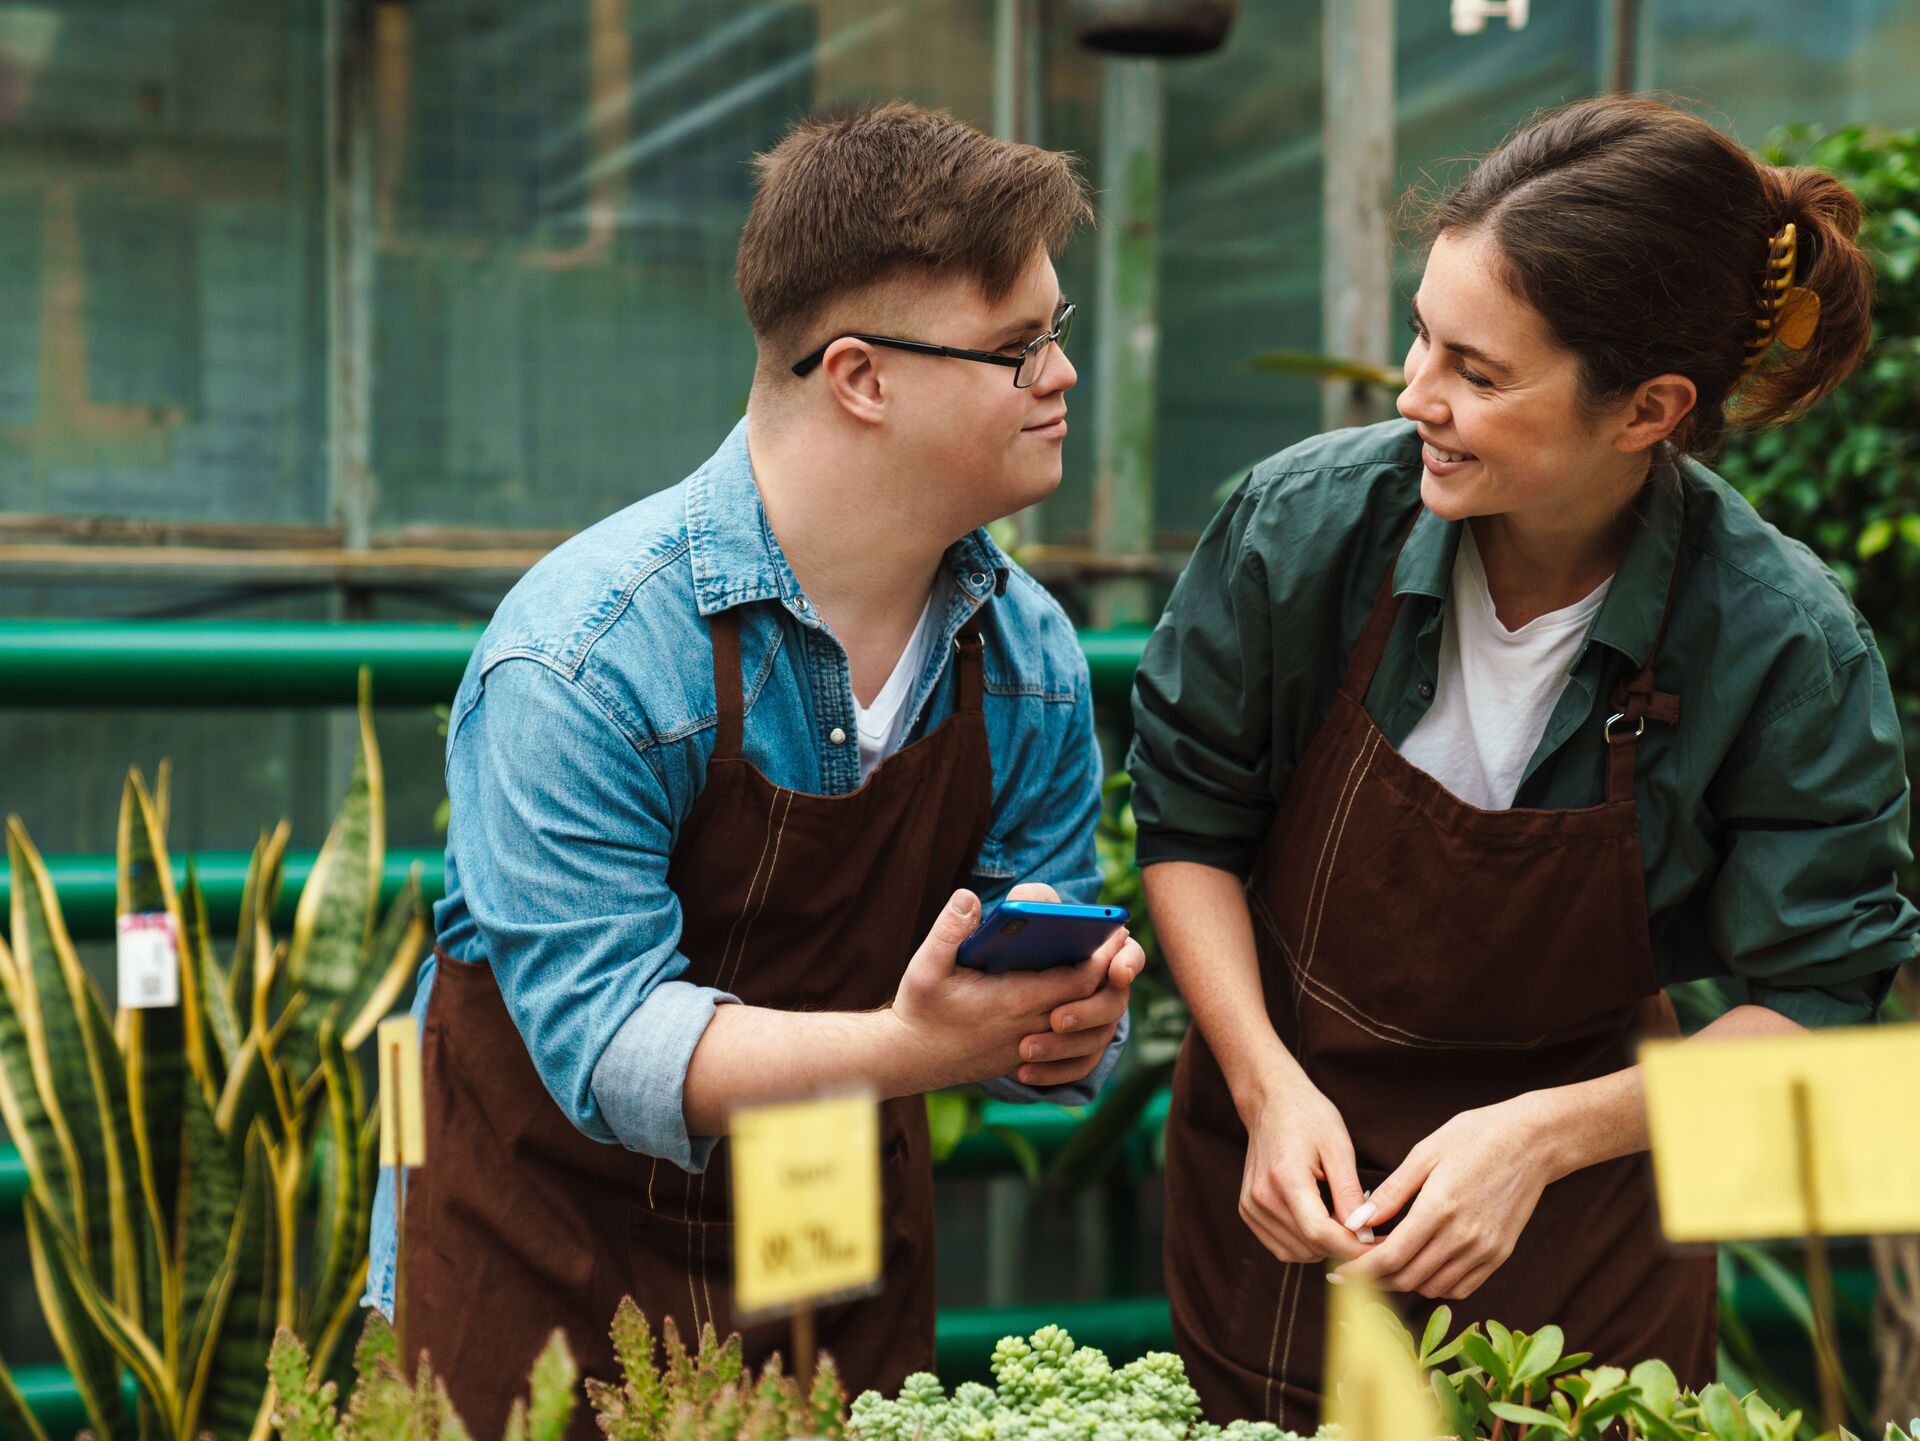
{"x": 1078, "y": 1033}
{"x": 966, "y": 1025}
{"x": 1473, "y": 1185}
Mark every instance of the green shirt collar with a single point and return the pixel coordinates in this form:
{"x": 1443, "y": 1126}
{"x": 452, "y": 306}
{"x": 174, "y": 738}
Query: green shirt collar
{"x": 1629, "y": 617}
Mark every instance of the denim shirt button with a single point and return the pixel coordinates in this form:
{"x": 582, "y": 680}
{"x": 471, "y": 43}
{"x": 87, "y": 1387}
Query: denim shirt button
{"x": 800, "y": 604}
{"x": 977, "y": 580}
{"x": 837, "y": 736}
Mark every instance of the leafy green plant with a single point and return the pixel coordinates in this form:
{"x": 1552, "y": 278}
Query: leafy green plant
{"x": 386, "y": 1406}
{"x": 1493, "y": 1384}
{"x": 176, "y": 1157}
{"x": 1047, "y": 1388}
{"x": 707, "y": 1394}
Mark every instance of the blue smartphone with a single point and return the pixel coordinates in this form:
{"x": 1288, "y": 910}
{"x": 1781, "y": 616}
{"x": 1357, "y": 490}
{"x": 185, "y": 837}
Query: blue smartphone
{"x": 1033, "y": 935}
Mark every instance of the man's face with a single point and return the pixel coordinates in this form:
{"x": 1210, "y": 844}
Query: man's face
{"x": 977, "y": 447}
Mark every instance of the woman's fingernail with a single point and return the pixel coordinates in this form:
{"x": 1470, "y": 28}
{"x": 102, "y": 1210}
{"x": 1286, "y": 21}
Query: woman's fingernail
{"x": 1361, "y": 1215}
{"x": 1334, "y": 1278}
{"x": 1066, "y": 1022}
{"x": 1365, "y": 1233}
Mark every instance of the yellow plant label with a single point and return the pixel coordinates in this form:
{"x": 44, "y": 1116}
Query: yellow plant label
{"x": 1721, "y": 1115}
{"x": 806, "y": 1202}
{"x": 403, "y": 1112}
{"x": 1373, "y": 1388}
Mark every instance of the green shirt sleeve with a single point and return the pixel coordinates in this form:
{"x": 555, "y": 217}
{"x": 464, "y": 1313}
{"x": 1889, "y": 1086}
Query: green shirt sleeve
{"x": 1202, "y": 697}
{"x": 1805, "y": 906}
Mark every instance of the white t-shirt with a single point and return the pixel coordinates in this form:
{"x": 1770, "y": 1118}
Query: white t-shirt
{"x": 883, "y": 724}
{"x": 1496, "y": 688}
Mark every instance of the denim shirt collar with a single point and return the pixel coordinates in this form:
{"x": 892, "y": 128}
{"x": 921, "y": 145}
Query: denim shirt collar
{"x": 736, "y": 557}
{"x": 1629, "y": 616}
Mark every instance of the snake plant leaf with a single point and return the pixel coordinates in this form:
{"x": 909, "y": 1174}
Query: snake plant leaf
{"x": 333, "y": 923}
{"x": 212, "y": 1181}
{"x": 52, "y": 1028}
{"x": 127, "y": 1196}
{"x": 96, "y": 1372}
{"x": 22, "y": 1106}
{"x": 340, "y": 1230}
{"x": 231, "y": 1400}
{"x": 124, "y": 1336}
{"x": 147, "y": 883}
{"x": 259, "y": 894}
{"x": 392, "y": 959}
{"x": 222, "y": 1018}
{"x": 335, "y": 1326}
{"x": 16, "y": 1417}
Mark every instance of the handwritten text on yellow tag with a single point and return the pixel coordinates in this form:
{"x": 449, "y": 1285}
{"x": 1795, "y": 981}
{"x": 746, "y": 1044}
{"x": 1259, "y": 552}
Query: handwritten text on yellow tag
{"x": 1721, "y": 1117}
{"x": 806, "y": 1202}
{"x": 1373, "y": 1387}
{"x": 403, "y": 1114}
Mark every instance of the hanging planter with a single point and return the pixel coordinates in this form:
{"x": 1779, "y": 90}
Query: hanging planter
{"x": 1155, "y": 29}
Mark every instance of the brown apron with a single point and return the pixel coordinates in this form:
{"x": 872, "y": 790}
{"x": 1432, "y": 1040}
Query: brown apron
{"x": 1422, "y": 957}
{"x": 790, "y": 900}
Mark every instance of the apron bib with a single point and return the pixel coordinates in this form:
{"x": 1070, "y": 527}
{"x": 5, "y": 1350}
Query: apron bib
{"x": 790, "y": 900}
{"x": 1421, "y": 957}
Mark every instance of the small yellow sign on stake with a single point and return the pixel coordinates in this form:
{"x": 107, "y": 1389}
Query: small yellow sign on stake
{"x": 403, "y": 1112}
{"x": 806, "y": 1203}
{"x": 1722, "y": 1120}
{"x": 1373, "y": 1388}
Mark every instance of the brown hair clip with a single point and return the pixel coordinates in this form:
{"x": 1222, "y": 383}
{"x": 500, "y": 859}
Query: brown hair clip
{"x": 1789, "y": 313}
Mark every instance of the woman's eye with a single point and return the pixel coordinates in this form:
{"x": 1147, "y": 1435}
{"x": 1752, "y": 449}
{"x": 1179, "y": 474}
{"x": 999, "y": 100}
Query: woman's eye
{"x": 1415, "y": 326}
{"x": 1474, "y": 378}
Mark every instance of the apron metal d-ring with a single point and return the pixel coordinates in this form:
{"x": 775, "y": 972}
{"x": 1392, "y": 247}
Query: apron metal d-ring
{"x": 1639, "y": 726}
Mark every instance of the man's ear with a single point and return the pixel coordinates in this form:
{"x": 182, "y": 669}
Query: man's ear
{"x": 852, "y": 373}
{"x": 1657, "y": 406}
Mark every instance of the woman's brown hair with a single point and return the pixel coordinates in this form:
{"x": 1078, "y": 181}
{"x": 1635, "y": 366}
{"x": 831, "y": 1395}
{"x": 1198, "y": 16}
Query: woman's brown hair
{"x": 1641, "y": 234}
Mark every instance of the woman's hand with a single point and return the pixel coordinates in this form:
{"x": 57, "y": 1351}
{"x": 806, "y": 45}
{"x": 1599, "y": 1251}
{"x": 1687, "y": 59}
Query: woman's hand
{"x": 1295, "y": 1140}
{"x": 1473, "y": 1185}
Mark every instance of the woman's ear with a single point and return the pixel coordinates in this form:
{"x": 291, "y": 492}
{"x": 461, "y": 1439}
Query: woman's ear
{"x": 1657, "y": 406}
{"x": 852, "y": 372}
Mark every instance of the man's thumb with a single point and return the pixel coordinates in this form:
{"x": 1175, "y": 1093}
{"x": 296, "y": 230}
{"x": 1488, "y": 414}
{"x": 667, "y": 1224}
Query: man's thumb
{"x": 953, "y": 925}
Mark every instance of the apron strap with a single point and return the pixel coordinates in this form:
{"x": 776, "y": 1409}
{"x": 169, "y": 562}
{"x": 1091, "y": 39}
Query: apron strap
{"x": 970, "y": 668}
{"x": 725, "y": 627}
{"x": 1635, "y": 700}
{"x": 1373, "y": 640}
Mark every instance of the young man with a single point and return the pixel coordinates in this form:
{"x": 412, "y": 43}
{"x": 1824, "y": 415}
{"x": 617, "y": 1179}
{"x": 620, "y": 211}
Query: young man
{"x": 728, "y": 769}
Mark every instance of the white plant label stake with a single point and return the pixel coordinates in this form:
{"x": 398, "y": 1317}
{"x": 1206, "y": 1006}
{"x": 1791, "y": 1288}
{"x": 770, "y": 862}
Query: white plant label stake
{"x": 149, "y": 962}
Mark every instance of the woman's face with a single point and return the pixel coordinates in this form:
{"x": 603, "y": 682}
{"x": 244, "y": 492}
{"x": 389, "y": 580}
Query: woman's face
{"x": 1496, "y": 400}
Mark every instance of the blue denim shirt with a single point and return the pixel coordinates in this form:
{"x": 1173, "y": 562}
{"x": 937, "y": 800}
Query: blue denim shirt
{"x": 578, "y": 742}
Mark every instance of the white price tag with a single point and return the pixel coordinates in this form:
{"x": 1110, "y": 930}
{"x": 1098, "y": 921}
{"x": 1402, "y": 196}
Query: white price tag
{"x": 149, "y": 962}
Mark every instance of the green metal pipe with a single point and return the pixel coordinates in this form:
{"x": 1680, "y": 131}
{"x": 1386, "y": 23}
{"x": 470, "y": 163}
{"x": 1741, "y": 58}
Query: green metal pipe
{"x": 86, "y": 886}
{"x": 299, "y": 663}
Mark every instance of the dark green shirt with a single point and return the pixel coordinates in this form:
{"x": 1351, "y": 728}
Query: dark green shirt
{"x": 1773, "y": 818}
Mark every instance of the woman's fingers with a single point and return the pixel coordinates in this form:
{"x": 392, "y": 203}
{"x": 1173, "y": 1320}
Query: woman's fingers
{"x": 1325, "y": 1236}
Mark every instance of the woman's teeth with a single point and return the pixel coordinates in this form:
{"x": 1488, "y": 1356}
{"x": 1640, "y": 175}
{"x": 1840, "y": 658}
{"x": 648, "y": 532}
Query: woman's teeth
{"x": 1448, "y": 457}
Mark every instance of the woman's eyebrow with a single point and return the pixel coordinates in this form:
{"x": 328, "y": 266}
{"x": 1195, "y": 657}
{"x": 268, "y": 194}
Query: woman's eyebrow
{"x": 1460, "y": 347}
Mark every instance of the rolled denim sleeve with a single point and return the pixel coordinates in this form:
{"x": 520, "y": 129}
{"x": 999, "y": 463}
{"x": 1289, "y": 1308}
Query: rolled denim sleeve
{"x": 1047, "y": 835}
{"x": 1806, "y": 907}
{"x": 561, "y": 830}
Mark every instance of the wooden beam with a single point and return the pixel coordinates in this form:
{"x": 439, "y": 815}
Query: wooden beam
{"x": 1357, "y": 246}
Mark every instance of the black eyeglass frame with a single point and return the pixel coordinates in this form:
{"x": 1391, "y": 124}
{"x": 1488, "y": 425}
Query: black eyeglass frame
{"x": 1062, "y": 324}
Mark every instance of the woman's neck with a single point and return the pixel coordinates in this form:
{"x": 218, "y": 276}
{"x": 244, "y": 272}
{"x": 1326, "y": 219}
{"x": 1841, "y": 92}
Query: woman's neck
{"x": 1540, "y": 562}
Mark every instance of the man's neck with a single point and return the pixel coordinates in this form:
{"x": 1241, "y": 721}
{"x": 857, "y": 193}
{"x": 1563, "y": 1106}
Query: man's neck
{"x": 866, "y": 548}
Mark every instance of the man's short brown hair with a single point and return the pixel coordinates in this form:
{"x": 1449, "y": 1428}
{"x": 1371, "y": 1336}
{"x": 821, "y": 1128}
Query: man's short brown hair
{"x": 847, "y": 201}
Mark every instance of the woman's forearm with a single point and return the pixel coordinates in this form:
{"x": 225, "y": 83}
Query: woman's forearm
{"x": 1593, "y": 1121}
{"x": 1206, "y": 932}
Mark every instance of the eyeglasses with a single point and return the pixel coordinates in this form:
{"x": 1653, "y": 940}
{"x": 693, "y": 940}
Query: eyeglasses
{"x": 1028, "y": 366}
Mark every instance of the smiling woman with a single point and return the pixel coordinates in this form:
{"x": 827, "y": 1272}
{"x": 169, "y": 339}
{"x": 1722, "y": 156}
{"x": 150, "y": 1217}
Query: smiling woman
{"x": 1465, "y": 735}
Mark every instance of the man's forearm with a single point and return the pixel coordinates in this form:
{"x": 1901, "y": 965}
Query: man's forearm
{"x": 1593, "y": 1121}
{"x": 751, "y": 1055}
